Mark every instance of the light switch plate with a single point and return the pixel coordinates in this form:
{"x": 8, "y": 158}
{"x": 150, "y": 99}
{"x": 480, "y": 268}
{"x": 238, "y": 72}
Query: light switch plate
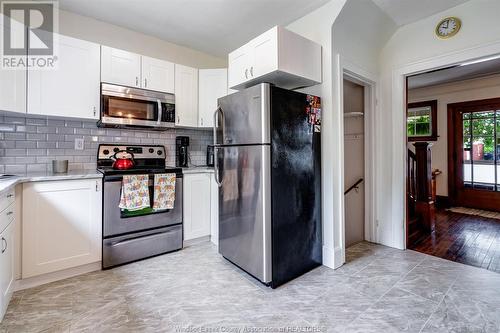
{"x": 78, "y": 143}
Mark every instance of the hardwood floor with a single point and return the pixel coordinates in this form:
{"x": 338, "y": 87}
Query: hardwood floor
{"x": 467, "y": 239}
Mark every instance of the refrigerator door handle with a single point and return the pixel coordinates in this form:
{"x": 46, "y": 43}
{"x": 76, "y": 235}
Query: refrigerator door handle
{"x": 216, "y": 167}
{"x": 216, "y": 162}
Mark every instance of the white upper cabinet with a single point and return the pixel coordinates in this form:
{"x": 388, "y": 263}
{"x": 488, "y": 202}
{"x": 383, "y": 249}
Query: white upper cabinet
{"x": 278, "y": 56}
{"x": 120, "y": 67}
{"x": 186, "y": 96}
{"x": 212, "y": 85}
{"x": 158, "y": 75}
{"x": 71, "y": 89}
{"x": 12, "y": 86}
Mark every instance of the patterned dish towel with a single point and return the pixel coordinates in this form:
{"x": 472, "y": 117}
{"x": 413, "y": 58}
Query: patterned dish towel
{"x": 164, "y": 191}
{"x": 135, "y": 192}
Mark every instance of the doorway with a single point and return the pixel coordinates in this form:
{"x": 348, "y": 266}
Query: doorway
{"x": 453, "y": 173}
{"x": 354, "y": 161}
{"x": 473, "y": 162}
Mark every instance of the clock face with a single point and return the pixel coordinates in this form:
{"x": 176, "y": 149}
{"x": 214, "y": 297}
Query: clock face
{"x": 448, "y": 27}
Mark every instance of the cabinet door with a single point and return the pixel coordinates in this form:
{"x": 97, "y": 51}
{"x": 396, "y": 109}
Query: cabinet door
{"x": 72, "y": 89}
{"x": 197, "y": 196}
{"x": 186, "y": 96}
{"x": 158, "y": 75}
{"x": 61, "y": 225}
{"x": 265, "y": 53}
{"x": 212, "y": 85}
{"x": 12, "y": 85}
{"x": 239, "y": 63}
{"x": 6, "y": 267}
{"x": 120, "y": 67}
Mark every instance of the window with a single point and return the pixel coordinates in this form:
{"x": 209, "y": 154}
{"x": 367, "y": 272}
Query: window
{"x": 421, "y": 121}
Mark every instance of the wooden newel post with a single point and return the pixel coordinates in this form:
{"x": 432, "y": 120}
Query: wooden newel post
{"x": 425, "y": 204}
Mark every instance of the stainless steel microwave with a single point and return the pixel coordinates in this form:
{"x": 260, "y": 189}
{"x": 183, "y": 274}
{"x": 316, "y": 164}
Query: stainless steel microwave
{"x": 125, "y": 107}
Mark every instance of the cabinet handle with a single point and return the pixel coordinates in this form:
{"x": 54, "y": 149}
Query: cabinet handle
{"x": 201, "y": 121}
{"x": 95, "y": 111}
{"x": 4, "y": 241}
{"x": 136, "y": 81}
{"x": 9, "y": 213}
{"x": 10, "y": 195}
{"x": 97, "y": 186}
{"x": 145, "y": 83}
{"x": 178, "y": 119}
{"x": 251, "y": 71}
{"x": 246, "y": 73}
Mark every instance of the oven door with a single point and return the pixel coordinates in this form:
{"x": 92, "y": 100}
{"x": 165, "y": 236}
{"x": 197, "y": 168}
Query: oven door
{"x": 124, "y": 107}
{"x": 117, "y": 221}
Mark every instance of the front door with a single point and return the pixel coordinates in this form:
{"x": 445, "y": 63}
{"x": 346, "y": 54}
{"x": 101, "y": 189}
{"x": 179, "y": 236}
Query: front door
{"x": 474, "y": 154}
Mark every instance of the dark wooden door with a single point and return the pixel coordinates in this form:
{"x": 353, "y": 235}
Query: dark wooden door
{"x": 474, "y": 154}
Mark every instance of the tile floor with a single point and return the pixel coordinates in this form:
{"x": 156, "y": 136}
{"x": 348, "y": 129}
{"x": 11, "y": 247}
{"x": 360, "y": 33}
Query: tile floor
{"x": 379, "y": 290}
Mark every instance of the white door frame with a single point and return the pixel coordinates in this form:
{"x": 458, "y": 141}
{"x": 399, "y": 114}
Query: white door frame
{"x": 399, "y": 147}
{"x": 356, "y": 74}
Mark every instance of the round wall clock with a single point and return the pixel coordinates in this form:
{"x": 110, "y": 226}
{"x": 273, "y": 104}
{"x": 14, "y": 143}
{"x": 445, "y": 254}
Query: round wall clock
{"x": 448, "y": 27}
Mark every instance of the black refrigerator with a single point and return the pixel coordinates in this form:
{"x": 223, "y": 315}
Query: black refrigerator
{"x": 267, "y": 165}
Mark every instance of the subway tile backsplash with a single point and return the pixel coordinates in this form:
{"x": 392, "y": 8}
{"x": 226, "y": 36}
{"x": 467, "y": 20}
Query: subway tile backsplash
{"x": 28, "y": 144}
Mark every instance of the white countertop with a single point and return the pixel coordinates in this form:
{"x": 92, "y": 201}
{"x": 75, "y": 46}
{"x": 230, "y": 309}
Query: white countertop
{"x": 200, "y": 169}
{"x": 7, "y": 183}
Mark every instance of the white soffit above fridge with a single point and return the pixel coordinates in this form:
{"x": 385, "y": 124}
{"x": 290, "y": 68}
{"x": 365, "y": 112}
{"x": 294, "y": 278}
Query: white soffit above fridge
{"x": 212, "y": 26}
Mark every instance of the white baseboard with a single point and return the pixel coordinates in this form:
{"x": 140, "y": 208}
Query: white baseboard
{"x": 196, "y": 241}
{"x": 36, "y": 281}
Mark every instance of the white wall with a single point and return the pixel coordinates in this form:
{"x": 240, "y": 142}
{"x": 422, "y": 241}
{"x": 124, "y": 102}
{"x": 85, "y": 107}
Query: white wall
{"x": 317, "y": 26}
{"x": 467, "y": 90}
{"x": 369, "y": 37}
{"x": 414, "y": 48}
{"x": 90, "y": 29}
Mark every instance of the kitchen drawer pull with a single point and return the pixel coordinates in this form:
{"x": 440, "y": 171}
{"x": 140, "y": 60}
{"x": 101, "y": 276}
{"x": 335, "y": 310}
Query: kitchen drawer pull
{"x": 251, "y": 71}
{"x": 9, "y": 213}
{"x": 4, "y": 241}
{"x": 10, "y": 195}
{"x": 246, "y": 73}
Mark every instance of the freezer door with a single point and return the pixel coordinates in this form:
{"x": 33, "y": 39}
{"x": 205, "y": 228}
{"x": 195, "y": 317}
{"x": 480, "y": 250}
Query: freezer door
{"x": 245, "y": 208}
{"x": 244, "y": 117}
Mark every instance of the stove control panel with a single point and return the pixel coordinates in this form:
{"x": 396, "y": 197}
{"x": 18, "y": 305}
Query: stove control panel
{"x": 144, "y": 152}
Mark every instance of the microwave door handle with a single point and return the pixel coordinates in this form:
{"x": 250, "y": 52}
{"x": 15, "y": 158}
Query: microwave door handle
{"x": 160, "y": 112}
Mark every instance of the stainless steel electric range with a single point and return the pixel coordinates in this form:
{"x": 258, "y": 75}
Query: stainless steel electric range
{"x": 129, "y": 237}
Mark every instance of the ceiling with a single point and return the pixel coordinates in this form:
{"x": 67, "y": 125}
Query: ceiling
{"x": 213, "y": 26}
{"x": 455, "y": 74}
{"x": 407, "y": 11}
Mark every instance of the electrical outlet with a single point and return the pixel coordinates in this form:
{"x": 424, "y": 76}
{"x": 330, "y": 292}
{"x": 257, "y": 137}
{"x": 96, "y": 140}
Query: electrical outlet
{"x": 78, "y": 143}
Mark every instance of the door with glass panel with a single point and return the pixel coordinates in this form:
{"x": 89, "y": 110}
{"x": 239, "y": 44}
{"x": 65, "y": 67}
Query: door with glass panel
{"x": 474, "y": 154}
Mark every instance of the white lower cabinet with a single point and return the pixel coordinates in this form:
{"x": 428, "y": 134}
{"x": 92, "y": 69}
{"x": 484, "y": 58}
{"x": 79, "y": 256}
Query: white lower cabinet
{"x": 6, "y": 267}
{"x": 197, "y": 205}
{"x": 61, "y": 225}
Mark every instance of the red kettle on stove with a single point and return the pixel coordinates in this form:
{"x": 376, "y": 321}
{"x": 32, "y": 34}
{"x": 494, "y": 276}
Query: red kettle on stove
{"x": 121, "y": 161}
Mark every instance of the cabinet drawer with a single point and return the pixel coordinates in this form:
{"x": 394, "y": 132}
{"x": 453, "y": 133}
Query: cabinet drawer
{"x": 124, "y": 249}
{"x": 6, "y": 199}
{"x": 6, "y": 216}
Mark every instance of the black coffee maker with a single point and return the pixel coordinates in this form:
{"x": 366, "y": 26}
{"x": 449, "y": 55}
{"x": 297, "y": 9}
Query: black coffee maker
{"x": 181, "y": 151}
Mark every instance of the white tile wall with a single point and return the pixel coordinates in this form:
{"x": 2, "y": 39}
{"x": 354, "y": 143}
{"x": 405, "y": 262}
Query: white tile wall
{"x": 30, "y": 143}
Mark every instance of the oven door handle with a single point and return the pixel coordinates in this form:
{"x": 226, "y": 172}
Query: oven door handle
{"x": 132, "y": 239}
